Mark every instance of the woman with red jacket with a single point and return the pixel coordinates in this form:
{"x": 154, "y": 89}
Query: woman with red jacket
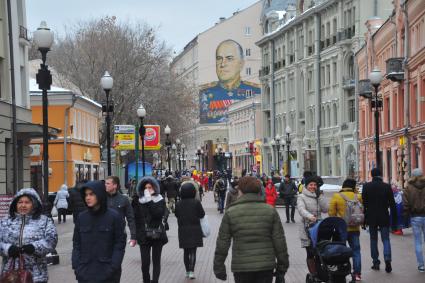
{"x": 271, "y": 194}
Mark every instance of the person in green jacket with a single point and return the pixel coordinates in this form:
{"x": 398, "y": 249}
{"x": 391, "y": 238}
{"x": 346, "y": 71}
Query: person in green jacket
{"x": 259, "y": 244}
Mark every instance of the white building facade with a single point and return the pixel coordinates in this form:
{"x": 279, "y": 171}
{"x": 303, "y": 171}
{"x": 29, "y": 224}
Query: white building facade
{"x": 308, "y": 81}
{"x": 14, "y": 87}
{"x": 244, "y": 126}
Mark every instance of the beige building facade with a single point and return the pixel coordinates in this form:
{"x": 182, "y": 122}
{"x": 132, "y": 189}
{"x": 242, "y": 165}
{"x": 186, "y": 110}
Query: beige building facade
{"x": 197, "y": 64}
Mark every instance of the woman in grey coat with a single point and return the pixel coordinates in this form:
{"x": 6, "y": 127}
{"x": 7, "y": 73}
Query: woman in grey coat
{"x": 27, "y": 233}
{"x": 311, "y": 204}
{"x": 61, "y": 203}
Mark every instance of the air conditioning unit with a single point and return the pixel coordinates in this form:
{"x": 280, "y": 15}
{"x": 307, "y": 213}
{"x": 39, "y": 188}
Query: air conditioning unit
{"x": 365, "y": 88}
{"x": 395, "y": 70}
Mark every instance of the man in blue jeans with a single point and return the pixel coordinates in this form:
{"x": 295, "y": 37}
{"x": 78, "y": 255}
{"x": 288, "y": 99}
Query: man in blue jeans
{"x": 414, "y": 206}
{"x": 377, "y": 199}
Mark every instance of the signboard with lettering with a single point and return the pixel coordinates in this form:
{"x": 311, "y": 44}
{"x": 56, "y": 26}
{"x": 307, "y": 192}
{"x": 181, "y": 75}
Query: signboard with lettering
{"x": 5, "y": 201}
{"x": 125, "y": 137}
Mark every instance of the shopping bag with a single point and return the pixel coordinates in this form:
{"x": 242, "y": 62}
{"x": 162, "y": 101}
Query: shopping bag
{"x": 206, "y": 231}
{"x": 19, "y": 275}
{"x": 54, "y": 211}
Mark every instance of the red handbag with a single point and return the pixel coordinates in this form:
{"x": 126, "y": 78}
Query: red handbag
{"x": 19, "y": 275}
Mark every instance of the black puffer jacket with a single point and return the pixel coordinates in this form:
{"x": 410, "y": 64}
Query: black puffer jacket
{"x": 171, "y": 187}
{"x": 149, "y": 212}
{"x": 189, "y": 211}
{"x": 76, "y": 203}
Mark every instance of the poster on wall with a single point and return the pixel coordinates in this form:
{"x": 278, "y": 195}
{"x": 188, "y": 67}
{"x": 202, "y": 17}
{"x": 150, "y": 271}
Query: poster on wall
{"x": 125, "y": 137}
{"x": 215, "y": 97}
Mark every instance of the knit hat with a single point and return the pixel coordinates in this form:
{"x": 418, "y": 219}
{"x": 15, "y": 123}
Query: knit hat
{"x": 417, "y": 172}
{"x": 310, "y": 179}
{"x": 375, "y": 172}
{"x": 349, "y": 183}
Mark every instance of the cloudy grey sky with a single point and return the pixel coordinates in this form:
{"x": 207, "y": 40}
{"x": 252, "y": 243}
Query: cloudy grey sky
{"x": 178, "y": 21}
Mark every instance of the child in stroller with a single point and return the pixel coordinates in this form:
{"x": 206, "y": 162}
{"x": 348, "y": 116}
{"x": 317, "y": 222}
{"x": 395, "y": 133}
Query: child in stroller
{"x": 331, "y": 255}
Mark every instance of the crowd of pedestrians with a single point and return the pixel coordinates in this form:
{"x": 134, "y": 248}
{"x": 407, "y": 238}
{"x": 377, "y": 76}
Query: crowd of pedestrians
{"x": 250, "y": 224}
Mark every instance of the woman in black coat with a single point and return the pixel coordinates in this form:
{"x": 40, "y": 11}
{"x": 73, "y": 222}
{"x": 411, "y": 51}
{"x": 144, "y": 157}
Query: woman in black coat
{"x": 189, "y": 211}
{"x": 150, "y": 211}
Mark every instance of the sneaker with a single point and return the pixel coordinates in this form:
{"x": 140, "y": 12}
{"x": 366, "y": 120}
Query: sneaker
{"x": 287, "y": 221}
{"x": 187, "y": 274}
{"x": 293, "y": 220}
{"x": 421, "y": 268}
{"x": 357, "y": 277}
{"x": 388, "y": 267}
{"x": 191, "y": 275}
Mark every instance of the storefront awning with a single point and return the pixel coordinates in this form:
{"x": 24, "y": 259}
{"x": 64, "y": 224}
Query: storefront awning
{"x": 31, "y": 130}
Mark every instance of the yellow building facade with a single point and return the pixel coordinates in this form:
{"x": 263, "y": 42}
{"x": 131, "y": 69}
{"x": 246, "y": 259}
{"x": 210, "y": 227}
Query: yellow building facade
{"x": 75, "y": 154}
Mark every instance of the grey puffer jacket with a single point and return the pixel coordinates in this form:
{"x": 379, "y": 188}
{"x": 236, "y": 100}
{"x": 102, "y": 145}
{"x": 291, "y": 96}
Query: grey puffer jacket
{"x": 309, "y": 205}
{"x": 61, "y": 198}
{"x": 38, "y": 230}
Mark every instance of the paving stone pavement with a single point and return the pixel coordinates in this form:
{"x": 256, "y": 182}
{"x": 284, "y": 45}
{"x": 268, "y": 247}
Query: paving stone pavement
{"x": 172, "y": 269}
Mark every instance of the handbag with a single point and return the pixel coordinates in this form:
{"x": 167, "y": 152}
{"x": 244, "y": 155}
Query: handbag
{"x": 206, "y": 231}
{"x": 153, "y": 233}
{"x": 19, "y": 275}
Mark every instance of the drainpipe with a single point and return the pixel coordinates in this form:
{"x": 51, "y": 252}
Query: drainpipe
{"x": 65, "y": 140}
{"x": 273, "y": 101}
{"x": 318, "y": 94}
{"x": 406, "y": 87}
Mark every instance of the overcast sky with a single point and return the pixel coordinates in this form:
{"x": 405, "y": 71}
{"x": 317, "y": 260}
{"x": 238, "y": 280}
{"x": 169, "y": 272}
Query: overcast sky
{"x": 178, "y": 21}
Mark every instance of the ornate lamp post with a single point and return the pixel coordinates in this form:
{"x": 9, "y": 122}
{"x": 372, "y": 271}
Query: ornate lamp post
{"x": 288, "y": 145}
{"x": 43, "y": 38}
{"x": 167, "y": 131}
{"x": 375, "y": 78}
{"x": 178, "y": 144}
{"x": 141, "y": 113}
{"x": 174, "y": 149}
{"x": 107, "y": 82}
{"x": 198, "y": 153}
{"x": 183, "y": 147}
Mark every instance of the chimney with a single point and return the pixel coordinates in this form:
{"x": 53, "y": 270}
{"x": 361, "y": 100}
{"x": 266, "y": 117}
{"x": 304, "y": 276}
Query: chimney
{"x": 222, "y": 19}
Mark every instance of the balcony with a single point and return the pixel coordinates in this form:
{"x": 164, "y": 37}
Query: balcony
{"x": 395, "y": 71}
{"x": 23, "y": 33}
{"x": 365, "y": 88}
{"x": 348, "y": 83}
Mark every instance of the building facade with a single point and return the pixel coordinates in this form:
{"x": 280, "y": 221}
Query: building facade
{"x": 396, "y": 47}
{"x": 308, "y": 81}
{"x": 220, "y": 80}
{"x": 14, "y": 99}
{"x": 74, "y": 155}
{"x": 244, "y": 126}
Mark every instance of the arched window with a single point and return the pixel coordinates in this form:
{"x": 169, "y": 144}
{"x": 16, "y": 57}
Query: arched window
{"x": 328, "y": 116}
{"x": 322, "y": 117}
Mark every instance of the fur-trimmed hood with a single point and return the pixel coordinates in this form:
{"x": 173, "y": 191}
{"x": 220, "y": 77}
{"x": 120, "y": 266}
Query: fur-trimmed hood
{"x": 36, "y": 202}
{"x": 145, "y": 180}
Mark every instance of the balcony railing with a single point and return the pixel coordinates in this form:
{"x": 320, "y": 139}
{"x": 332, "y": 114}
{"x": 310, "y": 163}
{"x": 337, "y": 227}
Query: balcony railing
{"x": 348, "y": 83}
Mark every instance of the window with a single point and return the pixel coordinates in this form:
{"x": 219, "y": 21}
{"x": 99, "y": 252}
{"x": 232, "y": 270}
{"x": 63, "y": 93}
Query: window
{"x": 1, "y": 77}
{"x": 335, "y": 112}
{"x": 351, "y": 110}
{"x": 328, "y": 74}
{"x": 247, "y": 30}
{"x": 248, "y": 93}
{"x": 334, "y": 69}
{"x": 247, "y": 52}
{"x": 248, "y": 71}
{"x": 309, "y": 80}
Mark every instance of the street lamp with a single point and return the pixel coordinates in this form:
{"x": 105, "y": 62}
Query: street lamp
{"x": 174, "y": 149}
{"x": 202, "y": 156}
{"x": 43, "y": 38}
{"x": 288, "y": 145}
{"x": 198, "y": 153}
{"x": 375, "y": 78}
{"x": 141, "y": 113}
{"x": 107, "y": 82}
{"x": 178, "y": 144}
{"x": 183, "y": 147}
{"x": 167, "y": 132}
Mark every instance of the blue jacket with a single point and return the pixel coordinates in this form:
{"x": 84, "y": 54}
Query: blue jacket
{"x": 99, "y": 239}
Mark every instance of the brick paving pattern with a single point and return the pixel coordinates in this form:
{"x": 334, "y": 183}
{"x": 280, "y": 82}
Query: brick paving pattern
{"x": 172, "y": 269}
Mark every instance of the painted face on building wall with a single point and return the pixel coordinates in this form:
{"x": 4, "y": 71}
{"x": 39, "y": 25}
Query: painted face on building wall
{"x": 229, "y": 63}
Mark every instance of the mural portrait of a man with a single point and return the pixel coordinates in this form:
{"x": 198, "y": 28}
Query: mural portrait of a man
{"x": 216, "y": 97}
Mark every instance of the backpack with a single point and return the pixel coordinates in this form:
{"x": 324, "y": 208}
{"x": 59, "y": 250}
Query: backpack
{"x": 354, "y": 215}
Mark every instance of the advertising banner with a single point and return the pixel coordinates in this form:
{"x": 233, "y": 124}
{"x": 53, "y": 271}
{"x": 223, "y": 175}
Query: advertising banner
{"x": 125, "y": 137}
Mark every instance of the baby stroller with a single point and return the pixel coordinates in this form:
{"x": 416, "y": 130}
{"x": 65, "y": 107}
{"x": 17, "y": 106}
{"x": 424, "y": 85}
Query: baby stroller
{"x": 331, "y": 255}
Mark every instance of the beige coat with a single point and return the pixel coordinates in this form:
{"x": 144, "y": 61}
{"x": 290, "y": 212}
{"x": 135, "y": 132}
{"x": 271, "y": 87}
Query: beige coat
{"x": 309, "y": 205}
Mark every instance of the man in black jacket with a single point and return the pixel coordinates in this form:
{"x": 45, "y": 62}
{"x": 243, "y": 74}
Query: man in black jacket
{"x": 377, "y": 199}
{"x": 76, "y": 203}
{"x": 99, "y": 238}
{"x": 288, "y": 191}
{"x": 171, "y": 188}
{"x": 121, "y": 204}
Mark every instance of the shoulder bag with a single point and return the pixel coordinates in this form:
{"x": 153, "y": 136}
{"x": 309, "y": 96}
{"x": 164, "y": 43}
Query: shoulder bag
{"x": 19, "y": 275}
